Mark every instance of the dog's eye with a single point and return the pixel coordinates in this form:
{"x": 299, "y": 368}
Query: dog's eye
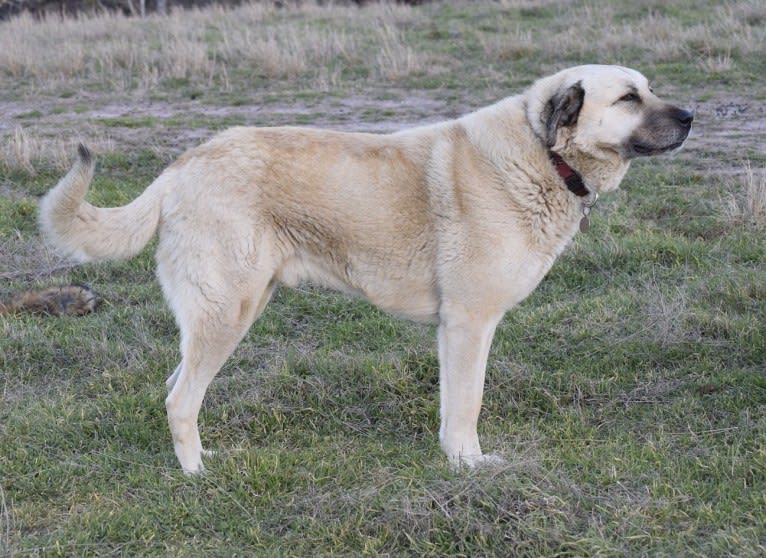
{"x": 631, "y": 98}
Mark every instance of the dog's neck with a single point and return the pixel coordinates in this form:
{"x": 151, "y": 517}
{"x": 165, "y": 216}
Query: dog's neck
{"x": 575, "y": 184}
{"x": 571, "y": 177}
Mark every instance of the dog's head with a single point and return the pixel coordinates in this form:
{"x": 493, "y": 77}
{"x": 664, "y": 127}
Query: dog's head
{"x": 600, "y": 117}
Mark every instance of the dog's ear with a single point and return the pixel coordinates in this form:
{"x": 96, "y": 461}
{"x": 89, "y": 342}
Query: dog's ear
{"x": 562, "y": 110}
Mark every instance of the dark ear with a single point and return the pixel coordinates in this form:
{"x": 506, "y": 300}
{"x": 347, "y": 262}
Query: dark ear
{"x": 562, "y": 110}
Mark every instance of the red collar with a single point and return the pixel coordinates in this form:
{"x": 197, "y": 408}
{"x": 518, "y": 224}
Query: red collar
{"x": 571, "y": 177}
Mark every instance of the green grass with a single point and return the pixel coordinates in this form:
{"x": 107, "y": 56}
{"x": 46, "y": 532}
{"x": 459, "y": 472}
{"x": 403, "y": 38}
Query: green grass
{"x": 627, "y": 394}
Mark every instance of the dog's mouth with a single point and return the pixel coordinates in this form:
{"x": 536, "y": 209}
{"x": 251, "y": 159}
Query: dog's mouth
{"x": 638, "y": 149}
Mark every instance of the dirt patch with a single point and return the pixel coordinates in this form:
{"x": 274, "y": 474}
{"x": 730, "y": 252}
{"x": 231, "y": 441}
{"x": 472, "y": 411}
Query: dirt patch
{"x": 726, "y": 132}
{"x": 723, "y": 127}
{"x": 180, "y": 125}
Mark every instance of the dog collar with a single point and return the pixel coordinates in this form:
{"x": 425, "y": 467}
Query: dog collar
{"x": 571, "y": 177}
{"x": 575, "y": 185}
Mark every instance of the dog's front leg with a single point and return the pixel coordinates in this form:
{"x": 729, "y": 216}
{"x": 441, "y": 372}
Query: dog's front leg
{"x": 464, "y": 342}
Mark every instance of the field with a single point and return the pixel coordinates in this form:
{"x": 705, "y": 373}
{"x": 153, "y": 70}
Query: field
{"x": 627, "y": 394}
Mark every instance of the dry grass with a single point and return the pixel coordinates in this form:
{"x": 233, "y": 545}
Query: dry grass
{"x": 396, "y": 59}
{"x": 132, "y": 54}
{"x": 667, "y": 311}
{"x": 748, "y": 203}
{"x": 5, "y": 524}
{"x": 259, "y": 40}
{"x": 124, "y": 53}
{"x": 27, "y": 152}
{"x": 602, "y": 29}
{"x": 717, "y": 64}
{"x": 26, "y": 258}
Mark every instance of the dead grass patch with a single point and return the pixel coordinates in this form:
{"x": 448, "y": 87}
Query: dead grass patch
{"x": 396, "y": 59}
{"x": 666, "y": 311}
{"x": 747, "y": 203}
{"x": 601, "y": 29}
{"x": 26, "y": 151}
{"x": 208, "y": 45}
{"x": 28, "y": 259}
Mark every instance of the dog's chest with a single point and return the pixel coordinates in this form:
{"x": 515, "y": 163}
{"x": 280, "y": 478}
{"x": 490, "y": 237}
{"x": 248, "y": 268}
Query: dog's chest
{"x": 503, "y": 262}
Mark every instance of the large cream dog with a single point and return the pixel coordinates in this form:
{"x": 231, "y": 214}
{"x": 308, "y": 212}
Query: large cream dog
{"x": 453, "y": 223}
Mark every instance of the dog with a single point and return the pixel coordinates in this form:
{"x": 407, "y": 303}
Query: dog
{"x": 452, "y": 223}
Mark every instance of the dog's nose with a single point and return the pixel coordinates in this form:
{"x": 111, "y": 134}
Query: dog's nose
{"x": 684, "y": 117}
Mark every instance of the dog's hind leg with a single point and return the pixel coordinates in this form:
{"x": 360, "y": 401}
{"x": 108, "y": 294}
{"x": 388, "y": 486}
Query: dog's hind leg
{"x": 211, "y": 328}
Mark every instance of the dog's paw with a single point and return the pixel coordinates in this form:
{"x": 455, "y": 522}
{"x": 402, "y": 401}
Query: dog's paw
{"x": 477, "y": 461}
{"x": 193, "y": 471}
{"x": 193, "y": 465}
{"x": 199, "y": 468}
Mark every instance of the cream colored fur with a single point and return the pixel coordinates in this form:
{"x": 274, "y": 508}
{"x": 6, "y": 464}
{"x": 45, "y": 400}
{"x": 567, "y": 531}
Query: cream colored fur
{"x": 453, "y": 223}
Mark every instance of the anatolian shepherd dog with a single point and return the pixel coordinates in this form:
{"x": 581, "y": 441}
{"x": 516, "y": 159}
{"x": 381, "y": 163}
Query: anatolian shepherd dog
{"x": 452, "y": 223}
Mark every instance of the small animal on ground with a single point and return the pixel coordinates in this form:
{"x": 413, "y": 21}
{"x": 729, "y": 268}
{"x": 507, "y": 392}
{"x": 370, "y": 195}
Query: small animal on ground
{"x": 452, "y": 223}
{"x": 68, "y": 300}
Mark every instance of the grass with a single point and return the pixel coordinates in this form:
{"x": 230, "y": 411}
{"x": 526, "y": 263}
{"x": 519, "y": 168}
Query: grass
{"x": 627, "y": 394}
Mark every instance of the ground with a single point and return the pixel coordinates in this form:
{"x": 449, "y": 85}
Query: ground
{"x": 627, "y": 394}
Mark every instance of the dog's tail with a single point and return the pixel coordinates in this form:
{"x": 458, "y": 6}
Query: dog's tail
{"x": 86, "y": 233}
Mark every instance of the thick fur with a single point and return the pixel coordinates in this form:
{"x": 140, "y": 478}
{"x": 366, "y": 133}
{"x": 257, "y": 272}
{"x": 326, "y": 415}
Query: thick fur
{"x": 452, "y": 223}
{"x": 69, "y": 300}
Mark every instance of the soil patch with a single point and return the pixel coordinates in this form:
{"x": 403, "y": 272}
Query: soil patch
{"x": 722, "y": 127}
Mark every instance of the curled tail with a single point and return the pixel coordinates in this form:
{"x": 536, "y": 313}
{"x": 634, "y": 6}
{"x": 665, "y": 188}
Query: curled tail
{"x": 86, "y": 233}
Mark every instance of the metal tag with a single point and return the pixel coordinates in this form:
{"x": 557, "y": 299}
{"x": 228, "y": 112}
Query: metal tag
{"x": 584, "y": 224}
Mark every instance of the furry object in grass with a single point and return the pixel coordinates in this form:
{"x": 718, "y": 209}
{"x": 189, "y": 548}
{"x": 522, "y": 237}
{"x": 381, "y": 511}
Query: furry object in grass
{"x": 68, "y": 300}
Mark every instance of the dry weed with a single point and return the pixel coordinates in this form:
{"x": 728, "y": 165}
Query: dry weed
{"x": 283, "y": 51}
{"x": 747, "y": 204}
{"x": 209, "y": 45}
{"x": 396, "y": 59}
{"x": 512, "y": 44}
{"x": 138, "y": 53}
{"x": 717, "y": 65}
{"x": 5, "y": 524}
{"x": 24, "y": 256}
{"x": 23, "y": 151}
{"x": 600, "y": 30}
{"x": 666, "y": 312}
